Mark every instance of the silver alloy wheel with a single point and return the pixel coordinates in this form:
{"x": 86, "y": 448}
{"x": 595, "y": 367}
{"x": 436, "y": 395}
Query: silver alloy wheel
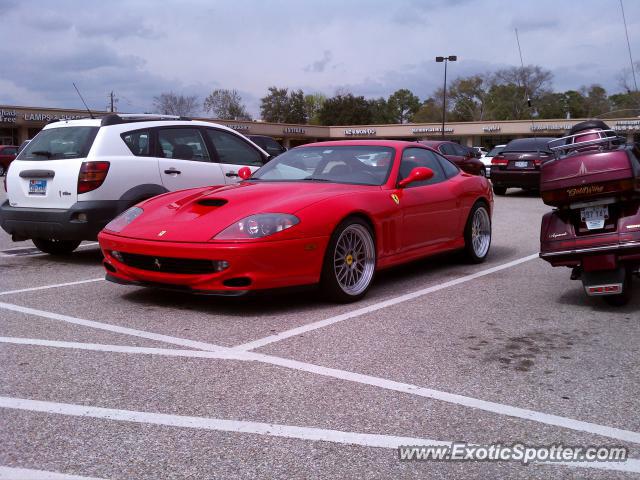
{"x": 481, "y": 232}
{"x": 354, "y": 259}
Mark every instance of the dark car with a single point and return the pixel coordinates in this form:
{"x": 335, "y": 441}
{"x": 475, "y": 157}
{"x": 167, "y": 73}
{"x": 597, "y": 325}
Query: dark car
{"x": 7, "y": 155}
{"x": 464, "y": 157}
{"x": 518, "y": 166}
{"x": 268, "y": 144}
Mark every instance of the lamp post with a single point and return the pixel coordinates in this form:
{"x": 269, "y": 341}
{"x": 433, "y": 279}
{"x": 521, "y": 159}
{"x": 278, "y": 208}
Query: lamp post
{"x": 450, "y": 58}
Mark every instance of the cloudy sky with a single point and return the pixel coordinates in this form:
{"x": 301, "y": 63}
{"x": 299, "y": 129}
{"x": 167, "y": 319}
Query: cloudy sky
{"x": 141, "y": 48}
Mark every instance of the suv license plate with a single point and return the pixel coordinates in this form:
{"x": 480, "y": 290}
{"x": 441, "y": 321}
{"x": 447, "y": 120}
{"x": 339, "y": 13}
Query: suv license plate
{"x": 521, "y": 164}
{"x": 594, "y": 217}
{"x": 37, "y": 187}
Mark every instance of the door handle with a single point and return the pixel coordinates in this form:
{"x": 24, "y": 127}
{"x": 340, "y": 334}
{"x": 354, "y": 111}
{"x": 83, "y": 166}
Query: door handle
{"x": 232, "y": 174}
{"x": 172, "y": 170}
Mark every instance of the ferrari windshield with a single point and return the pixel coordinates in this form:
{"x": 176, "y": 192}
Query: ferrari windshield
{"x": 359, "y": 165}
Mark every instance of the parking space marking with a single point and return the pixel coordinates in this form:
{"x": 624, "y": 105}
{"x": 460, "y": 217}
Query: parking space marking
{"x": 47, "y": 287}
{"x": 470, "y": 402}
{"x": 258, "y": 428}
{"x": 377, "y": 306}
{"x": 10, "y": 473}
{"x": 112, "y": 328}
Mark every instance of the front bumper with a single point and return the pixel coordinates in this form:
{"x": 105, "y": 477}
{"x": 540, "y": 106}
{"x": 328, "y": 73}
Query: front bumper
{"x": 60, "y": 224}
{"x": 262, "y": 265}
{"x": 529, "y": 179}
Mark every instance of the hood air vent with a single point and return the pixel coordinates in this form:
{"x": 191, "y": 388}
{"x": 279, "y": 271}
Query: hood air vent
{"x": 212, "y": 202}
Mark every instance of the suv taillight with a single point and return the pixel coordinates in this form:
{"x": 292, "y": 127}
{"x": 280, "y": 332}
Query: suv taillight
{"x": 499, "y": 160}
{"x": 92, "y": 175}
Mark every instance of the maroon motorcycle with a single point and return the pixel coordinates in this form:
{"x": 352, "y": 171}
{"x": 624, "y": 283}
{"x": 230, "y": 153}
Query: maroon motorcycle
{"x": 593, "y": 182}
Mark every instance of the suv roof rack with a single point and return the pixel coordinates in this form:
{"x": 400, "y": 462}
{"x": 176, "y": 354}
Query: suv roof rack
{"x": 117, "y": 118}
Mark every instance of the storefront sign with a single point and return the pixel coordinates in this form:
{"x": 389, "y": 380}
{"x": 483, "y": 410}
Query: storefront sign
{"x": 550, "y": 127}
{"x": 239, "y": 127}
{"x": 47, "y": 117}
{"x": 627, "y": 125}
{"x": 359, "y": 131}
{"x": 7, "y": 116}
{"x": 294, "y": 130}
{"x": 431, "y": 130}
{"x": 491, "y": 128}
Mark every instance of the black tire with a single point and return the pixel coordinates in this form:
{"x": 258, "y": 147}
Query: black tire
{"x": 330, "y": 284}
{"x": 477, "y": 251}
{"x": 56, "y": 247}
{"x": 622, "y": 299}
{"x": 2, "y": 172}
{"x": 483, "y": 172}
{"x": 499, "y": 190}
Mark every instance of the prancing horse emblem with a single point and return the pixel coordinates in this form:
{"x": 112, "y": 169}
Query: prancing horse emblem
{"x": 395, "y": 198}
{"x": 162, "y": 233}
{"x": 157, "y": 263}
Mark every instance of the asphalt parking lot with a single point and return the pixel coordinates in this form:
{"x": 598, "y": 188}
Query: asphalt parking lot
{"x": 105, "y": 381}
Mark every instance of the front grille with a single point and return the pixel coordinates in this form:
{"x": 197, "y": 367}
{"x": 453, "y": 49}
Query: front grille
{"x": 187, "y": 266}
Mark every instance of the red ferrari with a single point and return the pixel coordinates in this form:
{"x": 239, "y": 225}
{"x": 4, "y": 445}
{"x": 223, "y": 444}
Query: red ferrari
{"x": 330, "y": 213}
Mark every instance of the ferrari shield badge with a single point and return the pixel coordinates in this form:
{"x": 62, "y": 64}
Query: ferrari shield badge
{"x": 162, "y": 233}
{"x": 395, "y": 198}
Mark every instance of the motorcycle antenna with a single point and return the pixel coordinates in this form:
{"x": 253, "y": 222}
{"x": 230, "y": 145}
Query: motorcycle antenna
{"x": 526, "y": 93}
{"x": 85, "y": 103}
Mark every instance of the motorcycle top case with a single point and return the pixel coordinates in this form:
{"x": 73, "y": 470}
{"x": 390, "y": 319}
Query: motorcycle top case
{"x": 589, "y": 175}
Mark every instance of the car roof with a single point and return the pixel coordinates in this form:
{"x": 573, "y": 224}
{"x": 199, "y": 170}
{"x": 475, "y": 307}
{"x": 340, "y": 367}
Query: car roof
{"x": 362, "y": 143}
{"x": 434, "y": 143}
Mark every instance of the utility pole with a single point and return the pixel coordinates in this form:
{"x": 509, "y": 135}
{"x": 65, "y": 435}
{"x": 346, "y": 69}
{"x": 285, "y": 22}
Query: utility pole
{"x": 111, "y": 96}
{"x": 447, "y": 59}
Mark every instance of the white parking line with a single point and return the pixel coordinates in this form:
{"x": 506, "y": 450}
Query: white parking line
{"x": 258, "y": 428}
{"x": 415, "y": 390}
{"x": 377, "y": 306}
{"x": 112, "y": 328}
{"x": 10, "y": 473}
{"x": 47, "y": 287}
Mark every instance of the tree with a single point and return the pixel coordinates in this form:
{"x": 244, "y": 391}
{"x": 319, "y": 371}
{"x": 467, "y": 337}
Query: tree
{"x": 596, "y": 101}
{"x": 172, "y": 104}
{"x": 532, "y": 78}
{"x": 380, "y": 111}
{"x": 402, "y": 104}
{"x": 312, "y": 106}
{"x": 296, "y": 111}
{"x": 274, "y": 106}
{"x": 226, "y": 105}
{"x": 506, "y": 102}
{"x": 430, "y": 111}
{"x": 468, "y": 96}
{"x": 345, "y": 109}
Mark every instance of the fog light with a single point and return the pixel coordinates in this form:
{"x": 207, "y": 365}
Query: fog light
{"x": 220, "y": 265}
{"x": 117, "y": 255}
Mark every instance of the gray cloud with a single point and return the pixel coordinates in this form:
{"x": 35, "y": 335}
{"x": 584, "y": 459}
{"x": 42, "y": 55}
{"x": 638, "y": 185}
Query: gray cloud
{"x": 319, "y": 65}
{"x": 370, "y": 47}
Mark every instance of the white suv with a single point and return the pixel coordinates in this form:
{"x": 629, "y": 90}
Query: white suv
{"x": 77, "y": 175}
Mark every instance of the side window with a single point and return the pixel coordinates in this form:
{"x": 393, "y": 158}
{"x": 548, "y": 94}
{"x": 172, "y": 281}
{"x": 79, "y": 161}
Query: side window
{"x": 9, "y": 151}
{"x": 233, "y": 150}
{"x": 420, "y": 157}
{"x": 138, "y": 142}
{"x": 447, "y": 149}
{"x": 450, "y": 170}
{"x": 460, "y": 150}
{"x": 183, "y": 144}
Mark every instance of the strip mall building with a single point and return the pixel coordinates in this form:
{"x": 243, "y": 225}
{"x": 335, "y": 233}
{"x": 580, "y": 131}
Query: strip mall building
{"x": 20, "y": 123}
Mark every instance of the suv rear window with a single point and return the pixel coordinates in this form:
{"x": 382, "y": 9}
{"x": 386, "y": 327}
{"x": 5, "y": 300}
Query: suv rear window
{"x": 60, "y": 143}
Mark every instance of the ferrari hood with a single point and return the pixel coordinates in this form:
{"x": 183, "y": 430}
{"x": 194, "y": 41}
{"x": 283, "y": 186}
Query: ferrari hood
{"x": 197, "y": 215}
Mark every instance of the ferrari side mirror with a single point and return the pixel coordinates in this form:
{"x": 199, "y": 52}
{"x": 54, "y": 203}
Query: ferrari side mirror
{"x": 418, "y": 174}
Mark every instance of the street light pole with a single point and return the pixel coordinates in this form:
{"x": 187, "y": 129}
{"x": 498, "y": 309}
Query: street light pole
{"x": 450, "y": 58}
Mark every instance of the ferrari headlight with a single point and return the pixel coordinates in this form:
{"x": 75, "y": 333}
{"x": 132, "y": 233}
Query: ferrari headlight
{"x": 125, "y": 218}
{"x": 258, "y": 226}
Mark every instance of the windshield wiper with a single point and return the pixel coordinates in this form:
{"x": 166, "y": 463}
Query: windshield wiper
{"x": 44, "y": 153}
{"x": 316, "y": 179}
